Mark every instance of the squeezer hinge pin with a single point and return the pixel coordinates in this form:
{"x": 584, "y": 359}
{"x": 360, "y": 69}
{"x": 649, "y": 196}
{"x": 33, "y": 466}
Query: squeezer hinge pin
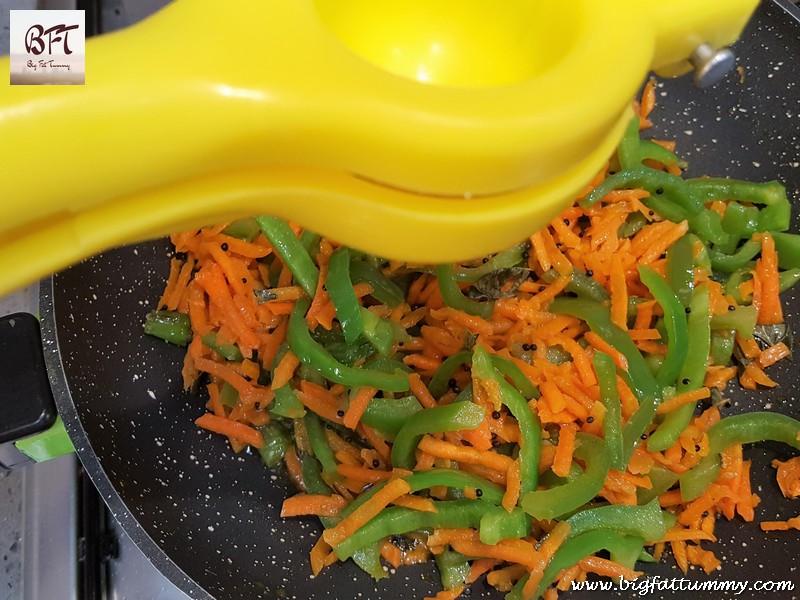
{"x": 711, "y": 64}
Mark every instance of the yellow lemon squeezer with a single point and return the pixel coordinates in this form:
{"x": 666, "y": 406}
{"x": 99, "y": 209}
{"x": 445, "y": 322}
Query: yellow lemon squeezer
{"x": 423, "y": 130}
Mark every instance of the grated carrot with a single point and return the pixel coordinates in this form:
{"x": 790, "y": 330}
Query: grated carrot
{"x": 513, "y": 487}
{"x": 544, "y": 555}
{"x": 793, "y": 523}
{"x": 442, "y": 449}
{"x": 603, "y": 346}
{"x": 416, "y": 503}
{"x": 788, "y": 476}
{"x": 237, "y": 431}
{"x": 319, "y": 556}
{"x": 608, "y": 568}
{"x": 364, "y": 513}
{"x": 768, "y": 301}
{"x": 312, "y": 504}
{"x": 566, "y": 446}
{"x": 680, "y": 399}
{"x": 420, "y": 390}
{"x": 358, "y": 404}
{"x": 363, "y": 474}
{"x": 285, "y": 369}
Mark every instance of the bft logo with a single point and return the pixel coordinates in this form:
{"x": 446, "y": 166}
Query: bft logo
{"x": 37, "y": 35}
{"x": 47, "y": 47}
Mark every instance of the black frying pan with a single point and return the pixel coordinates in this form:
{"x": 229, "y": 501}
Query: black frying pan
{"x": 209, "y": 520}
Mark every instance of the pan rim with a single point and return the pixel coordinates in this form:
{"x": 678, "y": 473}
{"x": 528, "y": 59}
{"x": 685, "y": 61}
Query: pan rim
{"x": 88, "y": 457}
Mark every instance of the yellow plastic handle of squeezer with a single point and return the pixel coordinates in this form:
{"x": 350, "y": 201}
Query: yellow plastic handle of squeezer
{"x": 424, "y": 130}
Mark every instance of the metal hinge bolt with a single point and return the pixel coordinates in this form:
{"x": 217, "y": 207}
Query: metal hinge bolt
{"x": 711, "y": 64}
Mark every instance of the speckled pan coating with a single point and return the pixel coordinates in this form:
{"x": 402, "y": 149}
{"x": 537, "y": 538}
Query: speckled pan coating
{"x": 208, "y": 519}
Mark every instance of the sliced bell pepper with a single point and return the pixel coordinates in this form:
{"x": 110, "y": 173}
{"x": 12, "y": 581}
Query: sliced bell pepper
{"x": 450, "y": 417}
{"x": 453, "y": 297}
{"x": 529, "y": 425}
{"x": 692, "y": 373}
{"x": 555, "y": 502}
{"x": 318, "y": 358}
{"x": 738, "y": 429}
{"x": 291, "y": 251}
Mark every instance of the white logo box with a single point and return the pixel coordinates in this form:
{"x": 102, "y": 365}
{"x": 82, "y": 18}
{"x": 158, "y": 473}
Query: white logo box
{"x": 47, "y": 47}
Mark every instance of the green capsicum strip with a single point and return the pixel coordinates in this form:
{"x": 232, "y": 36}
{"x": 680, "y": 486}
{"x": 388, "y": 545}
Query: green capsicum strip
{"x": 529, "y": 425}
{"x": 612, "y": 421}
{"x": 580, "y": 284}
{"x": 649, "y": 149}
{"x": 169, "y": 325}
{"x": 788, "y": 247}
{"x": 310, "y": 241}
{"x": 226, "y": 351}
{"x": 450, "y": 417}
{"x": 461, "y": 480}
{"x": 384, "y": 290}
{"x": 453, "y": 568}
{"x": 662, "y": 479}
{"x": 736, "y": 278}
{"x": 368, "y": 557}
{"x": 228, "y": 395}
{"x": 314, "y": 484}
{"x": 708, "y": 225}
{"x": 638, "y": 376}
{"x": 441, "y": 379}
{"x": 713, "y": 188}
{"x": 788, "y": 279}
{"x": 286, "y": 404}
{"x": 632, "y": 150}
{"x": 423, "y": 480}
{"x": 680, "y": 268}
{"x": 675, "y": 320}
{"x": 598, "y": 317}
{"x": 319, "y": 444}
{"x": 776, "y": 217}
{"x": 381, "y": 333}
{"x": 646, "y": 521}
{"x": 498, "y": 524}
{"x": 728, "y": 263}
{"x": 506, "y": 259}
{"x": 555, "y": 502}
{"x": 722, "y": 344}
{"x": 316, "y": 357}
{"x": 244, "y": 229}
{"x": 340, "y": 289}
{"x": 658, "y": 183}
{"x": 388, "y": 415}
{"x": 453, "y": 297}
{"x": 738, "y": 429}
{"x": 568, "y": 554}
{"x": 514, "y": 373}
{"x": 628, "y": 550}
{"x": 275, "y": 445}
{"x": 396, "y": 520}
{"x": 692, "y": 373}
{"x": 742, "y": 319}
{"x": 632, "y": 225}
{"x": 292, "y": 252}
{"x": 628, "y": 149}
{"x": 739, "y": 220}
{"x": 666, "y": 208}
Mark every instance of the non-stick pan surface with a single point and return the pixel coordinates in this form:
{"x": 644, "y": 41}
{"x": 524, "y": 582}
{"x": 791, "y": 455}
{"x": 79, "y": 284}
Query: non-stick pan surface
{"x": 209, "y": 519}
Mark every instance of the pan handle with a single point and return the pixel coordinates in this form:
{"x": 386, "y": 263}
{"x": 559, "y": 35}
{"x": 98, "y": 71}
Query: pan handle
{"x": 30, "y": 430}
